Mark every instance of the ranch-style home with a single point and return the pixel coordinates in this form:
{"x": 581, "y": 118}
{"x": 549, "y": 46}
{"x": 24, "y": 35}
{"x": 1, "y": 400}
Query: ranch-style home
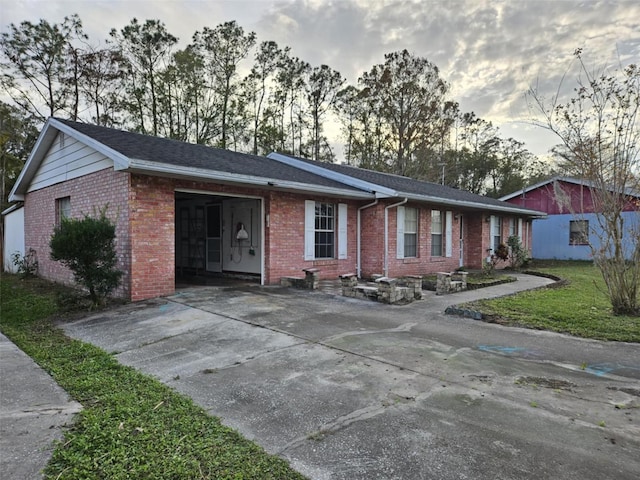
{"x": 573, "y": 225}
{"x": 183, "y": 210}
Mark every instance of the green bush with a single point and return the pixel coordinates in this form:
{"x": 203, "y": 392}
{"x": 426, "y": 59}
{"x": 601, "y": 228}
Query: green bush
{"x": 518, "y": 256}
{"x": 87, "y": 247}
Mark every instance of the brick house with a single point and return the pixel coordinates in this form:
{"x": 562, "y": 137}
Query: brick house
{"x": 182, "y": 210}
{"x": 572, "y": 225}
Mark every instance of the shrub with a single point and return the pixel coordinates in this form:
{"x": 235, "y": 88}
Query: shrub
{"x": 87, "y": 247}
{"x": 501, "y": 254}
{"x": 518, "y": 256}
{"x": 27, "y": 265}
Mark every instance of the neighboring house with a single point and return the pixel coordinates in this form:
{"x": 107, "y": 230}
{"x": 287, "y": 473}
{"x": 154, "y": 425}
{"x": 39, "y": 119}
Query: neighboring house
{"x": 572, "y": 223}
{"x": 13, "y": 241}
{"x": 182, "y": 209}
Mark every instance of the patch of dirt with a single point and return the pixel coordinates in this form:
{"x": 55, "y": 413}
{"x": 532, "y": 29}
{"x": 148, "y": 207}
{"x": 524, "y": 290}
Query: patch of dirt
{"x": 553, "y": 383}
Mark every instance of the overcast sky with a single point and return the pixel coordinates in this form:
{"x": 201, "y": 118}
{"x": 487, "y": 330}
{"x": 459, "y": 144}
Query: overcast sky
{"x": 489, "y": 51}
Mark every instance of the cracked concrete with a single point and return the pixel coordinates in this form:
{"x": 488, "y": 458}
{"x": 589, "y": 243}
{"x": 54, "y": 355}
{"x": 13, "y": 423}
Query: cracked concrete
{"x": 346, "y": 388}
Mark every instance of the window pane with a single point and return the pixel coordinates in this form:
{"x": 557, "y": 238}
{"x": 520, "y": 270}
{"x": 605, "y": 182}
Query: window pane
{"x": 410, "y": 245}
{"x": 410, "y": 220}
{"x": 63, "y": 208}
{"x": 436, "y": 245}
{"x": 324, "y": 230}
{"x": 436, "y": 222}
{"x": 579, "y": 232}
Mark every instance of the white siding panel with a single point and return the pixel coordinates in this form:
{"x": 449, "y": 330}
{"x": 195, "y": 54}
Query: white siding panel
{"x": 74, "y": 160}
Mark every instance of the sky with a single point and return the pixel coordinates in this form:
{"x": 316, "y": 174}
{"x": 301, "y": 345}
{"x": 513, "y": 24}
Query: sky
{"x": 489, "y": 51}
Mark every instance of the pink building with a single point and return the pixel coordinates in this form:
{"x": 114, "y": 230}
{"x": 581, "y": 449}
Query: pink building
{"x": 184, "y": 210}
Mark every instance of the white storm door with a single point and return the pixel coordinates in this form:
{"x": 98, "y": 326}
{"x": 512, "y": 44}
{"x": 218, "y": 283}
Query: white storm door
{"x": 214, "y": 238}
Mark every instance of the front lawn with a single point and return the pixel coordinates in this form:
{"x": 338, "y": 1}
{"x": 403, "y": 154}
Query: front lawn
{"x": 578, "y": 307}
{"x": 132, "y": 426}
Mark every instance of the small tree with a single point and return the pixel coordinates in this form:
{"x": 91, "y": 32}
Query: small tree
{"x": 517, "y": 253}
{"x": 87, "y": 247}
{"x": 599, "y": 130}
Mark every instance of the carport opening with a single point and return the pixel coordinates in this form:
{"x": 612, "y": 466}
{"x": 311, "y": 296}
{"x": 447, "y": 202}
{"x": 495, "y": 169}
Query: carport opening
{"x": 218, "y": 239}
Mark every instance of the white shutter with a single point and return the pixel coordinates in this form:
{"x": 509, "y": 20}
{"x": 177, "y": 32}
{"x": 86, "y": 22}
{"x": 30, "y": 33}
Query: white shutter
{"x": 448, "y": 235}
{"x": 400, "y": 232}
{"x": 342, "y": 231}
{"x": 309, "y": 229}
{"x": 520, "y": 228}
{"x": 492, "y": 227}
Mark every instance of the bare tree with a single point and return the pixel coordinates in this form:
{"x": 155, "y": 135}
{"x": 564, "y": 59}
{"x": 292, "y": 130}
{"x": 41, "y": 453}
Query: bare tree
{"x": 600, "y": 137}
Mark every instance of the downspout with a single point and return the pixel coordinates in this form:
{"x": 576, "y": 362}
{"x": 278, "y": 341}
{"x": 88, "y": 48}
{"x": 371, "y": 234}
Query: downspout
{"x": 359, "y": 242}
{"x": 386, "y": 234}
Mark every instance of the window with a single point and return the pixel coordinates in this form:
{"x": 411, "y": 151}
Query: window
{"x": 496, "y": 232}
{"x": 63, "y": 209}
{"x": 513, "y": 231}
{"x": 579, "y": 232}
{"x": 436, "y": 233}
{"x": 324, "y": 230}
{"x": 410, "y": 232}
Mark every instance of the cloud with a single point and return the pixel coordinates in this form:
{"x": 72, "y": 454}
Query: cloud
{"x": 489, "y": 51}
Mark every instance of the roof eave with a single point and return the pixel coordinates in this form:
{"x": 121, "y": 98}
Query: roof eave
{"x": 199, "y": 174}
{"x": 378, "y": 190}
{"x": 474, "y": 205}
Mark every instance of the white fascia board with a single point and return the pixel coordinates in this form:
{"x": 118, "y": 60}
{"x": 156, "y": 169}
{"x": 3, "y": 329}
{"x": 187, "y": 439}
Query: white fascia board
{"x": 47, "y": 135}
{"x": 15, "y": 206}
{"x": 474, "y": 205}
{"x": 148, "y": 167}
{"x": 378, "y": 190}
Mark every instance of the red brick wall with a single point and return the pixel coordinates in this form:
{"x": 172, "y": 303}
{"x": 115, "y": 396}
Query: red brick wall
{"x": 285, "y": 239}
{"x": 87, "y": 194}
{"x": 152, "y": 232}
{"x": 373, "y": 244}
{"x": 372, "y": 240}
{"x": 143, "y": 208}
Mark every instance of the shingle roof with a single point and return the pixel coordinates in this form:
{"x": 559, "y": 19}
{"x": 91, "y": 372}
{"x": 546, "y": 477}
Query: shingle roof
{"x": 176, "y": 153}
{"x": 154, "y": 155}
{"x": 406, "y": 185}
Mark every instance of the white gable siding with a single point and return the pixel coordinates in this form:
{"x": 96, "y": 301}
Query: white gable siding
{"x": 72, "y": 159}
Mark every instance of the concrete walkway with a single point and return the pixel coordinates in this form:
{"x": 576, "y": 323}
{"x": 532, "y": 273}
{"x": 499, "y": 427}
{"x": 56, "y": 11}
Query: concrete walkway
{"x": 33, "y": 411}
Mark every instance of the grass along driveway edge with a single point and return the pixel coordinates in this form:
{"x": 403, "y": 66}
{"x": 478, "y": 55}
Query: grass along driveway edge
{"x": 132, "y": 426}
{"x": 576, "y": 305}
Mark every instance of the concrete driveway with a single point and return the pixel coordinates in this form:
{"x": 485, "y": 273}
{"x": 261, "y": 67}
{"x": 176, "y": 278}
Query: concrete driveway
{"x": 351, "y": 389}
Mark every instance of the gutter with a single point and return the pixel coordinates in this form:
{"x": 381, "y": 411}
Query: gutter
{"x": 386, "y": 233}
{"x": 359, "y": 239}
{"x": 475, "y": 205}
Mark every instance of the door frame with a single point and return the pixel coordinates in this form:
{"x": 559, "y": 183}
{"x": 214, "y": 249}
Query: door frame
{"x": 263, "y": 222}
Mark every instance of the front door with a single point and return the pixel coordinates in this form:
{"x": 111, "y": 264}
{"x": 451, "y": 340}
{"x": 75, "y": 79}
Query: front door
{"x": 214, "y": 238}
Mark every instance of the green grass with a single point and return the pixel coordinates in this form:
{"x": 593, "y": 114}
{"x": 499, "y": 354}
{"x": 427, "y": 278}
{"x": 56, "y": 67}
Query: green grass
{"x": 132, "y": 426}
{"x": 578, "y": 308}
